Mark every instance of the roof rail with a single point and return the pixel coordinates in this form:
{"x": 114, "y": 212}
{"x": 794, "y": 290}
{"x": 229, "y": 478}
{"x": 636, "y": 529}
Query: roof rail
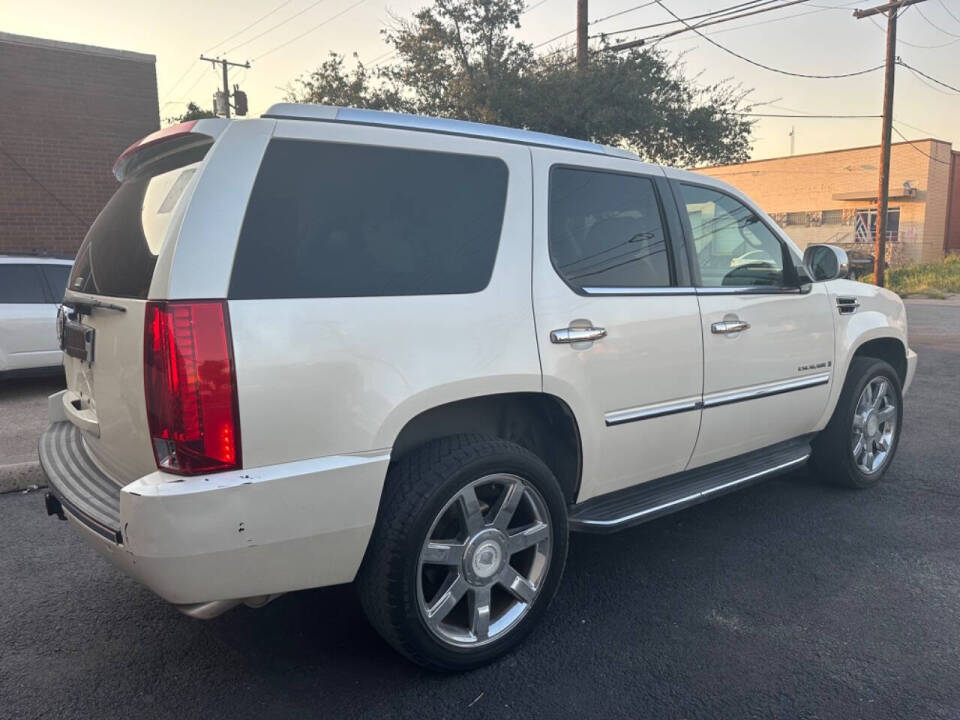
{"x": 357, "y": 116}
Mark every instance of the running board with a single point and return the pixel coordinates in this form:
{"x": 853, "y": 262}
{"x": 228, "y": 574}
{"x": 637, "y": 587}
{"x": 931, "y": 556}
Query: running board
{"x": 649, "y": 500}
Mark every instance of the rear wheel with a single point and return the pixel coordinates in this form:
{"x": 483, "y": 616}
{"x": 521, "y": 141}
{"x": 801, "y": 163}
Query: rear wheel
{"x": 858, "y": 444}
{"x": 468, "y": 551}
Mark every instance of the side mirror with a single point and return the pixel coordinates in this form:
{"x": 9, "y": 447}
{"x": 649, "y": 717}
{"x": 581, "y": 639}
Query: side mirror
{"x": 826, "y": 262}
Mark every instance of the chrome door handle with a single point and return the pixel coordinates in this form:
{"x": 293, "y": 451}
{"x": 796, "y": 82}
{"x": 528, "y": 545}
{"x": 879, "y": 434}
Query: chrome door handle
{"x": 729, "y": 326}
{"x": 577, "y": 334}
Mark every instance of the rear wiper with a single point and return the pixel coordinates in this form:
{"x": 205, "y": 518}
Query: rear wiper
{"x": 85, "y": 307}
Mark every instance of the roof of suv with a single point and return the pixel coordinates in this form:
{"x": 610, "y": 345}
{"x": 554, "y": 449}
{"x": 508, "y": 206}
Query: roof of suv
{"x": 356, "y": 116}
{"x": 34, "y": 260}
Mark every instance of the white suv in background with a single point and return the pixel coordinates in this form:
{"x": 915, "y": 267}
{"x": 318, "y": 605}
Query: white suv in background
{"x": 30, "y": 292}
{"x": 334, "y": 345}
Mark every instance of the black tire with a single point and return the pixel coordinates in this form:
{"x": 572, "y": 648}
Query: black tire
{"x": 832, "y": 452}
{"x": 417, "y": 489}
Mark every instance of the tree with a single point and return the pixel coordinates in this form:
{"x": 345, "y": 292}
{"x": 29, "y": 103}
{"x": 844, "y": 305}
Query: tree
{"x": 194, "y": 112}
{"x": 459, "y": 59}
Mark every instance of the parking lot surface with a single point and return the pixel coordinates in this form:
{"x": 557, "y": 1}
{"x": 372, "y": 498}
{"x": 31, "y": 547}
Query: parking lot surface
{"x": 789, "y": 599}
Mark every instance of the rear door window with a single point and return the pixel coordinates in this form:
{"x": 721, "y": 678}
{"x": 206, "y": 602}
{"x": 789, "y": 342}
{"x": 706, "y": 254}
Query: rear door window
{"x": 21, "y": 284}
{"x": 341, "y": 220}
{"x": 120, "y": 250}
{"x": 606, "y": 230}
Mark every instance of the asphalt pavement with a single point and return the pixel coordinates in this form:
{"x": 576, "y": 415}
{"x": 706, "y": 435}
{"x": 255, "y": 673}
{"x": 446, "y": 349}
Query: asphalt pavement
{"x": 789, "y": 599}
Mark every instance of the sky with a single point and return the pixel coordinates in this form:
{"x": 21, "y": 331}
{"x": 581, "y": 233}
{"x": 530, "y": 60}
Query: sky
{"x": 815, "y": 37}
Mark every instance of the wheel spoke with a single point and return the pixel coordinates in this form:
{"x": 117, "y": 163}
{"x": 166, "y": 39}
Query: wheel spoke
{"x": 442, "y": 553}
{"x": 480, "y": 612}
{"x": 447, "y": 600}
{"x": 518, "y": 585}
{"x": 858, "y": 448}
{"x": 532, "y": 535}
{"x": 868, "y": 459}
{"x": 888, "y": 414}
{"x": 472, "y": 512}
{"x": 509, "y": 501}
{"x": 881, "y": 391}
{"x": 858, "y": 422}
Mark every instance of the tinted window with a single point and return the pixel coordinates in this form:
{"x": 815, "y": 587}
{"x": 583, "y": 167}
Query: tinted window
{"x": 57, "y": 276}
{"x": 120, "y": 250}
{"x": 337, "y": 220}
{"x": 606, "y": 230}
{"x": 21, "y": 284}
{"x": 734, "y": 248}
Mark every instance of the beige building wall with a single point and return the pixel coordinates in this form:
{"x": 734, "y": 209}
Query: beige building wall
{"x": 796, "y": 190}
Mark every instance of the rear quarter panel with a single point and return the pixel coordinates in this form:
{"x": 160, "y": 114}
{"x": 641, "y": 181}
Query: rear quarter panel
{"x": 325, "y": 376}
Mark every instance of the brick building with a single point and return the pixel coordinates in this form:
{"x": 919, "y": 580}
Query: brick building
{"x": 831, "y": 197}
{"x": 66, "y": 112}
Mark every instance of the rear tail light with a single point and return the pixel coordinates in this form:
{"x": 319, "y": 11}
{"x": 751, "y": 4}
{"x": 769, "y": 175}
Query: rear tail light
{"x": 191, "y": 388}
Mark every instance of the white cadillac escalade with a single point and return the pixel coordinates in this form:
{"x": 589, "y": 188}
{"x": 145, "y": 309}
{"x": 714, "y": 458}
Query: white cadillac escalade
{"x": 330, "y": 345}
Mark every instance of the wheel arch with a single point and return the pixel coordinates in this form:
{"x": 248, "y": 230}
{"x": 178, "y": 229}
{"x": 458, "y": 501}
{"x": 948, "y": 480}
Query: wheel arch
{"x": 542, "y": 423}
{"x": 888, "y": 348}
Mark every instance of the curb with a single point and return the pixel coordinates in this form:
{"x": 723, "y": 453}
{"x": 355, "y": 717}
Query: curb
{"x": 21, "y": 476}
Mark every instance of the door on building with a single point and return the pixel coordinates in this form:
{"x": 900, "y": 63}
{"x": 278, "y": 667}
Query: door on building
{"x": 865, "y": 225}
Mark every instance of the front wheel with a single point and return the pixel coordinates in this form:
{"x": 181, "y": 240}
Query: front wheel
{"x": 468, "y": 551}
{"x": 859, "y": 442}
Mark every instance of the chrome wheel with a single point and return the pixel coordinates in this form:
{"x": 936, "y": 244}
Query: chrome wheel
{"x": 874, "y": 426}
{"x": 484, "y": 561}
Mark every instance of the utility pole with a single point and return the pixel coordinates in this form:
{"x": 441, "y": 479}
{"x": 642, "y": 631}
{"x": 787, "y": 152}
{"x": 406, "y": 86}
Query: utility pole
{"x": 793, "y": 136}
{"x": 880, "y": 242}
{"x": 226, "y": 80}
{"x": 582, "y": 23}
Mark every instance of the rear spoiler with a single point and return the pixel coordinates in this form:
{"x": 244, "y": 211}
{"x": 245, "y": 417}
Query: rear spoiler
{"x": 165, "y": 142}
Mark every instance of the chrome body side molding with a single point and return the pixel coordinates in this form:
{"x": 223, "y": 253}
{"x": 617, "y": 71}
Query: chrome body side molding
{"x": 752, "y": 393}
{"x": 619, "y": 417}
{"x": 727, "y": 397}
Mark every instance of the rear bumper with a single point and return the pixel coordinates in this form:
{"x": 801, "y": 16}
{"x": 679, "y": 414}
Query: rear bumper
{"x": 226, "y": 536}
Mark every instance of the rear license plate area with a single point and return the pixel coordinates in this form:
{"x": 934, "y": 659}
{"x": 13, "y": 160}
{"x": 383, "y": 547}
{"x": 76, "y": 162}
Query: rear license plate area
{"x": 77, "y": 340}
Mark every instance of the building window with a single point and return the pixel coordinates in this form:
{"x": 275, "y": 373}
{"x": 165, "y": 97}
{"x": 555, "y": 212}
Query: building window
{"x": 797, "y": 218}
{"x": 831, "y": 217}
{"x": 865, "y": 225}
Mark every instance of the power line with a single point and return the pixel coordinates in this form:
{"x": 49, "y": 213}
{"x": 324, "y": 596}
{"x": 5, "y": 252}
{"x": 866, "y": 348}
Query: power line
{"x": 928, "y": 77}
{"x": 243, "y": 30}
{"x": 935, "y": 26}
{"x": 226, "y": 39}
{"x": 315, "y": 27}
{"x": 624, "y": 12}
{"x": 768, "y": 67}
{"x": 714, "y": 14}
{"x": 274, "y": 27}
{"x": 770, "y": 20}
{"x": 922, "y": 152}
{"x": 944, "y": 5}
{"x": 61, "y": 203}
{"x": 818, "y": 117}
{"x": 915, "y": 45}
{"x": 180, "y": 79}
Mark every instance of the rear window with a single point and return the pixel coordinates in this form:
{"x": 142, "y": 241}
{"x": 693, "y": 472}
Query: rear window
{"x": 21, "y": 284}
{"x": 340, "y": 220}
{"x": 120, "y": 250}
